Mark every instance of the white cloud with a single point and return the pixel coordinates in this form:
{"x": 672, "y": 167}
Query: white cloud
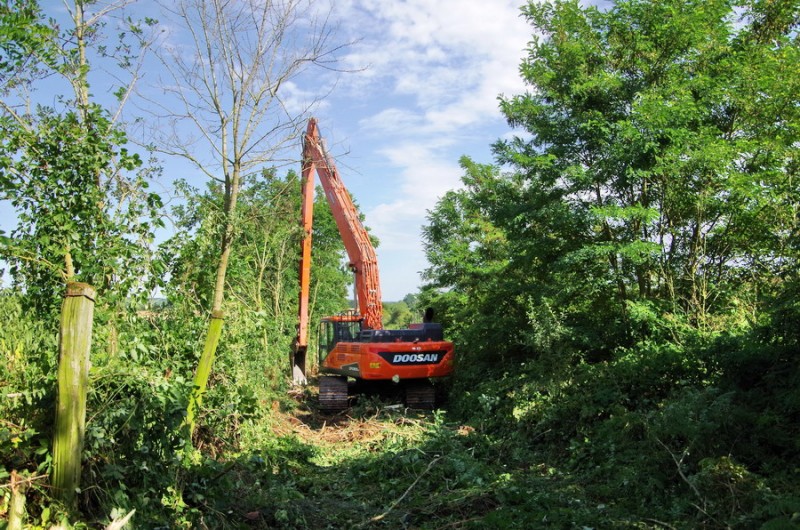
{"x": 392, "y": 119}
{"x": 435, "y": 70}
{"x": 296, "y": 100}
{"x": 424, "y": 176}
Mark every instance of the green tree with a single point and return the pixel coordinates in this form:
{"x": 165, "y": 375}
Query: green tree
{"x": 471, "y": 279}
{"x": 83, "y": 213}
{"x": 83, "y": 209}
{"x": 397, "y": 315}
{"x": 23, "y": 39}
{"x": 655, "y": 189}
{"x": 640, "y": 252}
{"x": 263, "y": 267}
{"x": 262, "y": 275}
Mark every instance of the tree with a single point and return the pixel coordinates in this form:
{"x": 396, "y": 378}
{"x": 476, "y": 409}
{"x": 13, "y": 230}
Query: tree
{"x": 397, "y": 315}
{"x": 479, "y": 292}
{"x": 655, "y": 189}
{"x": 262, "y": 276}
{"x": 23, "y": 39}
{"x": 84, "y": 212}
{"x": 233, "y": 120}
{"x": 262, "y": 286}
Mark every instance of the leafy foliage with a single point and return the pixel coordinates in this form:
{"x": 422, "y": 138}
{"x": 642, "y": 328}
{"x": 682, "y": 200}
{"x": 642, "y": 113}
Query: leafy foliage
{"x": 622, "y": 295}
{"x": 615, "y": 293}
{"x": 643, "y": 188}
{"x": 78, "y": 217}
{"x": 262, "y": 274}
{"x": 398, "y": 315}
{"x": 23, "y": 38}
{"x": 80, "y": 195}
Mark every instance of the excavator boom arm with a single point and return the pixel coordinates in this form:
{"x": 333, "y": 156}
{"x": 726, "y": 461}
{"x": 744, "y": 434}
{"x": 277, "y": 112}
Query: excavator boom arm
{"x": 360, "y": 251}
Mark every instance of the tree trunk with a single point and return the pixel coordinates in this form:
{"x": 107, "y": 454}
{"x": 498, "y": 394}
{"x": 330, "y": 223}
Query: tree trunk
{"x": 204, "y": 367}
{"x": 217, "y": 318}
{"x": 75, "y": 340}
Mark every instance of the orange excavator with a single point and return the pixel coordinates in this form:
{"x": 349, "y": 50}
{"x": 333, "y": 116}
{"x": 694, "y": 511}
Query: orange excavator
{"x": 354, "y": 345}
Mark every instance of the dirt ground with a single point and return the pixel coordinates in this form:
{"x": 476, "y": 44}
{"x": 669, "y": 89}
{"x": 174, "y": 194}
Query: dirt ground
{"x": 362, "y": 423}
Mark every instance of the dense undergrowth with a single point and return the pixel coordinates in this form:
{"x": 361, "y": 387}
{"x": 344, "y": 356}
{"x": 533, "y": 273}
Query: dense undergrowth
{"x": 699, "y": 436}
{"x": 691, "y": 438}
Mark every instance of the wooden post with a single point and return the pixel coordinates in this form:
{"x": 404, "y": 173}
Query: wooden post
{"x": 204, "y": 367}
{"x": 16, "y": 509}
{"x": 75, "y": 341}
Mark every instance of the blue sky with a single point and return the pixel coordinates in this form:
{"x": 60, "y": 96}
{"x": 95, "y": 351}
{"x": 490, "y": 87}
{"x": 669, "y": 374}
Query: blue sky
{"x": 428, "y": 96}
{"x": 429, "y": 73}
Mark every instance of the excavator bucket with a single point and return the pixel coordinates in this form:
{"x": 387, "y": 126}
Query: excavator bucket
{"x": 298, "y": 377}
{"x": 299, "y": 365}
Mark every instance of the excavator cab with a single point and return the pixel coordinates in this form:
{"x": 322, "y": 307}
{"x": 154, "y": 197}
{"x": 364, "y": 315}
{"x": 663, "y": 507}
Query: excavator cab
{"x": 340, "y": 328}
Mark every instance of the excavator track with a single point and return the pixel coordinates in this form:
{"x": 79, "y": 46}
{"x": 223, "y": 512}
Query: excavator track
{"x": 332, "y": 393}
{"x": 420, "y": 394}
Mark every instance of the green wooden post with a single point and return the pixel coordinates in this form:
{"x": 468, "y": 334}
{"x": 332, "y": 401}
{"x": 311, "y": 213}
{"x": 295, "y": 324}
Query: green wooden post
{"x": 204, "y": 367}
{"x": 75, "y": 341}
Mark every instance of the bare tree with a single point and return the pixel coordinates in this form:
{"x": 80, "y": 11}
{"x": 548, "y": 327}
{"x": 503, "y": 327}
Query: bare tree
{"x": 229, "y": 109}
